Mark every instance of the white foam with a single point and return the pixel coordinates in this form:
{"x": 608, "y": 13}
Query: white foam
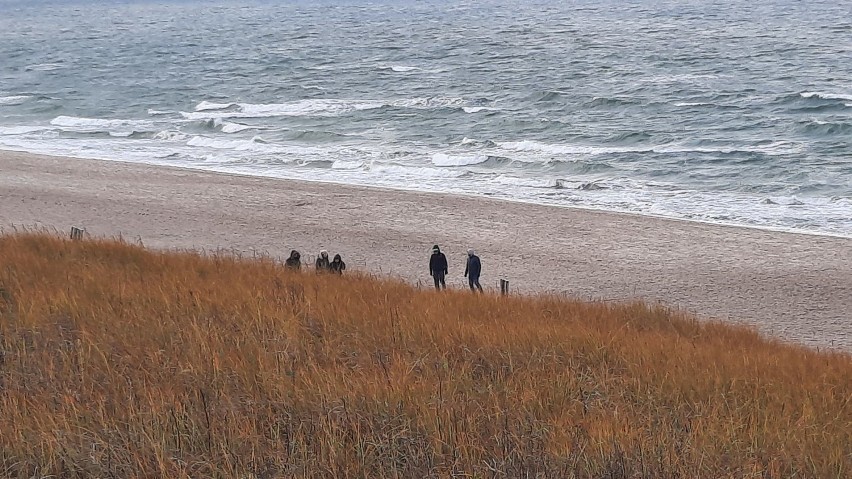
{"x": 392, "y": 171}
{"x": 170, "y": 135}
{"x": 826, "y": 96}
{"x": 20, "y": 130}
{"x": 347, "y": 165}
{"x": 14, "y": 99}
{"x": 477, "y": 109}
{"x": 44, "y": 67}
{"x": 209, "y": 105}
{"x": 219, "y": 144}
{"x": 429, "y": 103}
{"x": 536, "y": 147}
{"x": 403, "y": 69}
{"x": 312, "y": 107}
{"x": 469, "y": 141}
{"x": 773, "y": 149}
{"x": 315, "y": 107}
{"x": 442, "y": 159}
{"x": 154, "y": 112}
{"x": 228, "y": 127}
{"x": 114, "y": 127}
{"x": 525, "y": 182}
{"x": 692, "y": 103}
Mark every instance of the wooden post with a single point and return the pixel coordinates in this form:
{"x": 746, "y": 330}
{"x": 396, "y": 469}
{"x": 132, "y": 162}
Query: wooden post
{"x": 76, "y": 233}
{"x": 504, "y": 287}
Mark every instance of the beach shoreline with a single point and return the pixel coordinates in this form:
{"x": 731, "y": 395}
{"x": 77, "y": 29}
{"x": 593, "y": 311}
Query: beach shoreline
{"x": 793, "y": 286}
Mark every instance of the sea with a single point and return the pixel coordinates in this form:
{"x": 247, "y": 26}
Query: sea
{"x": 734, "y": 112}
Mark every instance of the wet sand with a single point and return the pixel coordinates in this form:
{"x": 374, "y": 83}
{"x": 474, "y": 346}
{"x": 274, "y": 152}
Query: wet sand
{"x": 793, "y": 286}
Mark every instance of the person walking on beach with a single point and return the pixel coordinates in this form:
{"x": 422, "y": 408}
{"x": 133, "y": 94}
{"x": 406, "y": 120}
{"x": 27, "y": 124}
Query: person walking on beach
{"x": 472, "y": 270}
{"x": 438, "y": 268}
{"x": 294, "y": 261}
{"x": 337, "y": 265}
{"x": 323, "y": 265}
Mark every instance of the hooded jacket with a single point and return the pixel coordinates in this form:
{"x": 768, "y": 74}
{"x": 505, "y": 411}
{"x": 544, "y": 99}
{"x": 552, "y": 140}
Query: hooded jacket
{"x": 438, "y": 262}
{"x": 474, "y": 266}
{"x": 294, "y": 260}
{"x": 322, "y": 263}
{"x": 337, "y": 265}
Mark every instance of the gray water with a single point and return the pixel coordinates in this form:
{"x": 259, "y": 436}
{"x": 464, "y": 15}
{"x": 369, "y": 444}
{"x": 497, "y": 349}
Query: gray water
{"x": 736, "y": 112}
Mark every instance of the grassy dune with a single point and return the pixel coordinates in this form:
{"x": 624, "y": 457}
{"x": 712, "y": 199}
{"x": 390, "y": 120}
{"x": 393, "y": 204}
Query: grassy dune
{"x": 121, "y": 362}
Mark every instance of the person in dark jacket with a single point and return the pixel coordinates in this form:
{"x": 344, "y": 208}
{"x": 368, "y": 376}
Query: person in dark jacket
{"x": 438, "y": 268}
{"x": 337, "y": 265}
{"x": 294, "y": 261}
{"x": 472, "y": 270}
{"x": 323, "y": 265}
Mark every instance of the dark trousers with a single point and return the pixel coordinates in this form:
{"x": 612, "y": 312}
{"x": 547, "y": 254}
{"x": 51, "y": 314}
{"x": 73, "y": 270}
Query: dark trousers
{"x": 473, "y": 281}
{"x": 440, "y": 281}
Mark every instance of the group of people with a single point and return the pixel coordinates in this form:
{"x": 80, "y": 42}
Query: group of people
{"x": 322, "y": 265}
{"x": 438, "y": 269}
{"x": 438, "y": 266}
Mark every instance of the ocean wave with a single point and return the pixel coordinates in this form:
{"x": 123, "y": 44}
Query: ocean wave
{"x": 547, "y": 96}
{"x": 826, "y": 96}
{"x": 170, "y": 135}
{"x": 630, "y": 137}
{"x": 316, "y": 135}
{"x": 44, "y": 67}
{"x": 112, "y": 127}
{"x": 429, "y": 103}
{"x": 154, "y": 112}
{"x": 477, "y": 109}
{"x": 228, "y": 127}
{"x": 254, "y": 144}
{"x": 418, "y": 172}
{"x": 14, "y": 100}
{"x": 209, "y": 105}
{"x": 400, "y": 68}
{"x": 599, "y": 101}
{"x": 508, "y": 180}
{"x": 445, "y": 160}
{"x": 691, "y": 103}
{"x": 310, "y": 107}
{"x": 21, "y": 129}
{"x": 315, "y": 107}
{"x": 559, "y": 149}
{"x": 773, "y": 148}
{"x": 825, "y": 128}
{"x": 347, "y": 165}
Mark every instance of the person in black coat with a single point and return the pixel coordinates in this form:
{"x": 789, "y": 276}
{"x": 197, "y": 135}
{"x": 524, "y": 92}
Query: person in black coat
{"x": 322, "y": 264}
{"x": 294, "y": 261}
{"x": 337, "y": 265}
{"x": 472, "y": 270}
{"x": 438, "y": 268}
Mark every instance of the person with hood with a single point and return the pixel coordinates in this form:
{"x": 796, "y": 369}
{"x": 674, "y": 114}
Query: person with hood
{"x": 294, "y": 261}
{"x": 438, "y": 268}
{"x": 337, "y": 265}
{"x": 472, "y": 270}
{"x": 323, "y": 265}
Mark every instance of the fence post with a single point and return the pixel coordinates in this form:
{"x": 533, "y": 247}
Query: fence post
{"x": 504, "y": 287}
{"x": 77, "y": 233}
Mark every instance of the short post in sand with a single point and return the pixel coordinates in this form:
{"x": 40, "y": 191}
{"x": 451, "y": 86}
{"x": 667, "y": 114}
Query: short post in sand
{"x": 77, "y": 233}
{"x": 504, "y": 287}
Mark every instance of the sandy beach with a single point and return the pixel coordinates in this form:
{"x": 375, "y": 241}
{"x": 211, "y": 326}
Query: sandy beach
{"x": 792, "y": 286}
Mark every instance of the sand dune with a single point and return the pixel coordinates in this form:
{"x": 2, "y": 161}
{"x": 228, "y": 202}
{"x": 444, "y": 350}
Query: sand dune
{"x": 793, "y": 286}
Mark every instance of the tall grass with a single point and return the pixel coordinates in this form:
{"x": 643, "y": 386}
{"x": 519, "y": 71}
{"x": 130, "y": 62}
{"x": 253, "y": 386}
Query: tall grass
{"x": 121, "y": 362}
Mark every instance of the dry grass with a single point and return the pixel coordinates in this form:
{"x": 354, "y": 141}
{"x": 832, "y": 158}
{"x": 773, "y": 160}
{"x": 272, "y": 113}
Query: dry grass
{"x": 121, "y": 362}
